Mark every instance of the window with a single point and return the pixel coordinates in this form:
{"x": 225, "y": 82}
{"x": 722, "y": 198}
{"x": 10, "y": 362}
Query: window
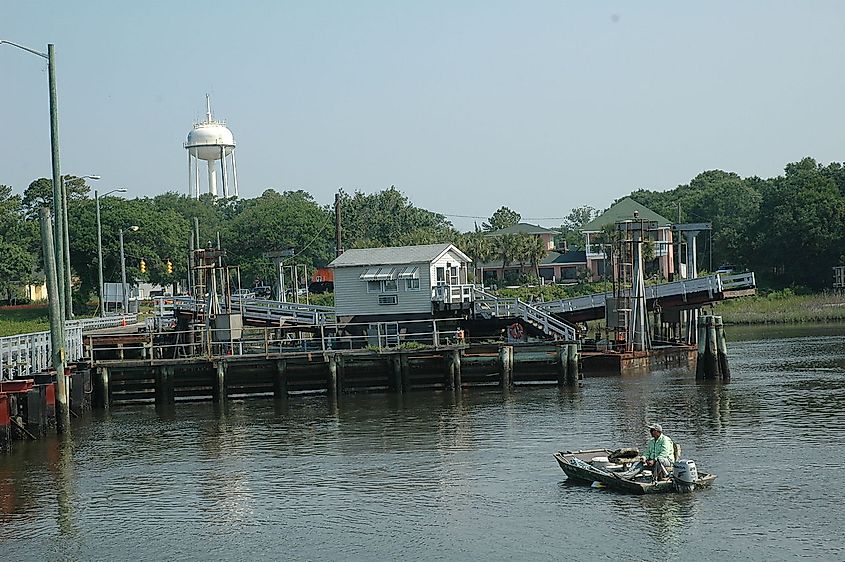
{"x": 388, "y": 299}
{"x": 453, "y": 276}
{"x": 412, "y": 284}
{"x": 441, "y": 275}
{"x": 387, "y": 286}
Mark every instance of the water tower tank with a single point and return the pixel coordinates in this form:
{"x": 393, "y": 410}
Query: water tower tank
{"x": 207, "y": 138}
{"x": 211, "y": 141}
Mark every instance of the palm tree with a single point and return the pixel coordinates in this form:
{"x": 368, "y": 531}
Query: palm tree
{"x": 536, "y": 250}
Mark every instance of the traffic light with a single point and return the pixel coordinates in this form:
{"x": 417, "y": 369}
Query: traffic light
{"x": 169, "y": 265}
{"x": 143, "y": 266}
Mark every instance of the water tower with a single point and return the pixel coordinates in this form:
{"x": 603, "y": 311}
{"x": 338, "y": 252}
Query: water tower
{"x": 213, "y": 142}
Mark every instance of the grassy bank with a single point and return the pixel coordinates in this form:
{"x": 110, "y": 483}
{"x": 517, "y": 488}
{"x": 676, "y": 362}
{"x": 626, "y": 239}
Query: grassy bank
{"x": 23, "y": 319}
{"x": 783, "y": 307}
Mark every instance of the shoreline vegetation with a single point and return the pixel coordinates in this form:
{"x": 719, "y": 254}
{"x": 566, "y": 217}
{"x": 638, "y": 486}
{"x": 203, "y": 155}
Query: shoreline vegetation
{"x": 783, "y": 307}
{"x": 778, "y": 307}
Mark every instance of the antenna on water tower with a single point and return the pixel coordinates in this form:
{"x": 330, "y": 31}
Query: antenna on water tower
{"x": 213, "y": 142}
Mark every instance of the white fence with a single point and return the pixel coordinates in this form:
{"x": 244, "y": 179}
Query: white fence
{"x": 25, "y": 354}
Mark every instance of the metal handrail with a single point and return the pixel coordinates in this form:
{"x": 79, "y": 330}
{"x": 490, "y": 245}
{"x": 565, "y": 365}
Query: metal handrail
{"x": 712, "y": 284}
{"x": 267, "y": 342}
{"x": 25, "y": 354}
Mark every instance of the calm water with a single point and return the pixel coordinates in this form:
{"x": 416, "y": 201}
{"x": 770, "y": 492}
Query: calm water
{"x": 432, "y": 477}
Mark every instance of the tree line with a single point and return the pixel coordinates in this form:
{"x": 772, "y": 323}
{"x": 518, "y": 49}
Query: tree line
{"x": 789, "y": 229}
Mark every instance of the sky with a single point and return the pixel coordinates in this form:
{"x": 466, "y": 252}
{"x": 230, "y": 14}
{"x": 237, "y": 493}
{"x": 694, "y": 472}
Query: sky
{"x": 540, "y": 106}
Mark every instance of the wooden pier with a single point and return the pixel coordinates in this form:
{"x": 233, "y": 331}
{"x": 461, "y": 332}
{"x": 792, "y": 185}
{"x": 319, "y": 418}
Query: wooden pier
{"x": 333, "y": 373}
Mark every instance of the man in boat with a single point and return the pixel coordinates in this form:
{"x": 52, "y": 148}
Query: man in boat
{"x": 659, "y": 452}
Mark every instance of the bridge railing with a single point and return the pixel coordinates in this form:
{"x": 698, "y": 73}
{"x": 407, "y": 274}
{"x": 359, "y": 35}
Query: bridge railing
{"x": 738, "y": 281}
{"x": 25, "y": 354}
{"x": 88, "y": 324}
{"x": 711, "y": 284}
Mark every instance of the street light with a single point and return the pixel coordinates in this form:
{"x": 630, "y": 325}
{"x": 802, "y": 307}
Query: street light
{"x": 66, "y": 269}
{"x": 123, "y": 268}
{"x": 100, "y": 247}
{"x": 58, "y": 214}
{"x": 57, "y": 313}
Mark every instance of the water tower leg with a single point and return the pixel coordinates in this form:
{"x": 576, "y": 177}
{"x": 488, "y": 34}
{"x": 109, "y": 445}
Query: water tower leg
{"x": 190, "y": 183}
{"x": 235, "y": 173}
{"x": 223, "y": 177}
{"x": 212, "y": 177}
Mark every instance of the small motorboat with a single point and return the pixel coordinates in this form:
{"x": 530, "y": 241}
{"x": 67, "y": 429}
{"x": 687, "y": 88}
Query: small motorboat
{"x": 613, "y": 469}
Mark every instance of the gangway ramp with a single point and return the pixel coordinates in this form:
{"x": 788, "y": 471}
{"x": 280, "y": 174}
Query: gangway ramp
{"x": 260, "y": 312}
{"x": 688, "y": 293}
{"x": 486, "y": 305}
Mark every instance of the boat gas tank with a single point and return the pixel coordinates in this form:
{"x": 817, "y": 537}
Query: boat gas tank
{"x": 685, "y": 475}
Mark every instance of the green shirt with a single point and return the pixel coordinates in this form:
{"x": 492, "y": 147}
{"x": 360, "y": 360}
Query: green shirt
{"x": 659, "y": 448}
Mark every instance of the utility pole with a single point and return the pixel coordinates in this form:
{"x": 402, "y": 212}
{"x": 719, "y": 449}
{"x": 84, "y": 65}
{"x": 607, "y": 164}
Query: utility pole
{"x": 57, "y": 336}
{"x": 337, "y": 237}
{"x": 58, "y": 190}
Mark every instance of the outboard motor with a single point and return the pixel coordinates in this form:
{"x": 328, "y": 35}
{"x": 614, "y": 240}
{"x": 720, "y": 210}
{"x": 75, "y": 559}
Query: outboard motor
{"x": 684, "y": 474}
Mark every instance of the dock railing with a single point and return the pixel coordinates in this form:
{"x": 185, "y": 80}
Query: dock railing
{"x": 266, "y": 311}
{"x": 267, "y": 342}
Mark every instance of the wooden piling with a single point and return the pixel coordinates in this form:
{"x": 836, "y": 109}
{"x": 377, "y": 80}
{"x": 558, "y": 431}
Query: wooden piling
{"x": 456, "y": 360}
{"x": 219, "y": 391}
{"x": 396, "y": 380}
{"x": 280, "y": 379}
{"x": 449, "y": 371}
{"x": 36, "y": 411}
{"x": 333, "y": 379}
{"x": 506, "y": 366}
{"x": 341, "y": 372}
{"x": 563, "y": 365}
{"x": 573, "y": 372}
{"x": 164, "y": 390}
{"x": 722, "y": 350}
{"x": 5, "y": 424}
{"x": 405, "y": 371}
{"x": 707, "y": 366}
{"x": 103, "y": 388}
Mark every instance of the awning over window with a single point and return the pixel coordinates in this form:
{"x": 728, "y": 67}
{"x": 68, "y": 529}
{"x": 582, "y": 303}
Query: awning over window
{"x": 410, "y": 272}
{"x": 379, "y": 274}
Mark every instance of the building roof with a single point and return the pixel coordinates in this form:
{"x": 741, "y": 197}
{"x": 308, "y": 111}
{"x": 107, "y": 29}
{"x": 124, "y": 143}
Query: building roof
{"x": 552, "y": 257}
{"x": 572, "y": 256}
{"x": 395, "y": 255}
{"x": 522, "y": 228}
{"x": 624, "y": 210}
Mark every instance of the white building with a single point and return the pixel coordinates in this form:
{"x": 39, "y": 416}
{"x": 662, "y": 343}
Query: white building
{"x": 401, "y": 283}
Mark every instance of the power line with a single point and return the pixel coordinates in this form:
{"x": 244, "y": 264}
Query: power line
{"x": 485, "y": 218}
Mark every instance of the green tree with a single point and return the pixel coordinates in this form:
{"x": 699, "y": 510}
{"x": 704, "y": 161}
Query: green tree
{"x": 535, "y": 249}
{"x": 279, "y": 221}
{"x": 480, "y": 247}
{"x": 570, "y": 230}
{"x": 502, "y": 218}
{"x": 388, "y": 218}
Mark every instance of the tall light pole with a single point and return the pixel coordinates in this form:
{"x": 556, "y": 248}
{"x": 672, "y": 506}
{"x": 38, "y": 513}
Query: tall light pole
{"x": 100, "y": 247}
{"x": 66, "y": 239}
{"x": 56, "y": 324}
{"x": 123, "y": 269}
